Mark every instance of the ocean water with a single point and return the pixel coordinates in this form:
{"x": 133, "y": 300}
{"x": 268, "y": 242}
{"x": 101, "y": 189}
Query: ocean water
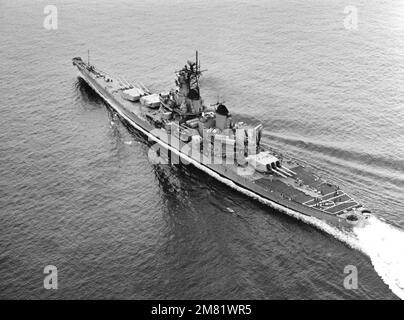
{"x": 78, "y": 191}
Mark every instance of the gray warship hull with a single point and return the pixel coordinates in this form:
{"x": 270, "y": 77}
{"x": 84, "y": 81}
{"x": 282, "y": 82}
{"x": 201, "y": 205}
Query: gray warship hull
{"x": 344, "y": 214}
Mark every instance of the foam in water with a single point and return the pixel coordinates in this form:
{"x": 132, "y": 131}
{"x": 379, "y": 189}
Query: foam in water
{"x": 383, "y": 243}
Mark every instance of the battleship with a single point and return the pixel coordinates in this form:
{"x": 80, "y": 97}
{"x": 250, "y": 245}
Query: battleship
{"x": 183, "y": 129}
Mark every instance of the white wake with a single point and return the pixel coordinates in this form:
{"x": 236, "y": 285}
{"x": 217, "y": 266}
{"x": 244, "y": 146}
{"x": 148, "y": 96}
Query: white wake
{"x": 384, "y": 244}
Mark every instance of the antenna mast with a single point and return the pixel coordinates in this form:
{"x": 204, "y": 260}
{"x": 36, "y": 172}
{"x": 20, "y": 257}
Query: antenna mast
{"x": 197, "y": 69}
{"x": 196, "y": 60}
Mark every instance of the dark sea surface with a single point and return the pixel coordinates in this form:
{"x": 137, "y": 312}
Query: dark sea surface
{"x": 78, "y": 191}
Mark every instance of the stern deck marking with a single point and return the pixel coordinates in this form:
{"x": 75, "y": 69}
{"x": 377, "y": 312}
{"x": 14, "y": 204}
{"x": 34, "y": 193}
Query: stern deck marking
{"x": 328, "y": 194}
{"x": 336, "y": 205}
{"x": 330, "y": 199}
{"x": 348, "y": 208}
{"x": 343, "y": 209}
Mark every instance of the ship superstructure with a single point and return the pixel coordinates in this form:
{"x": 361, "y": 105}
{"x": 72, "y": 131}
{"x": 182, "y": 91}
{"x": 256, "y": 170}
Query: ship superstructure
{"x": 208, "y": 137}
